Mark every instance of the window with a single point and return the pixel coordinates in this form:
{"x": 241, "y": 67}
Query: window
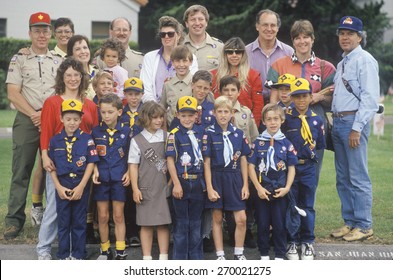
{"x": 3, "y": 27}
{"x": 100, "y": 29}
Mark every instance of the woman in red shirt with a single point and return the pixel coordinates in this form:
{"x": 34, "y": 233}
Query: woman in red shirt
{"x": 234, "y": 61}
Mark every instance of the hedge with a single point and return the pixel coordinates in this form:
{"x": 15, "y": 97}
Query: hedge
{"x": 10, "y": 46}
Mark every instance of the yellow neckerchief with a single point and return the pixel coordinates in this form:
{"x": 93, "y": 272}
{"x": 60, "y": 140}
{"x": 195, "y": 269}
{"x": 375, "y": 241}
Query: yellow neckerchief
{"x": 69, "y": 147}
{"x": 305, "y": 130}
{"x": 111, "y": 132}
{"x": 132, "y": 116}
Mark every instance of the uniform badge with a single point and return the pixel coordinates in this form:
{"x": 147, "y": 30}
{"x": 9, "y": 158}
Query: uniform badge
{"x": 79, "y": 163}
{"x": 55, "y": 61}
{"x": 90, "y": 142}
{"x": 211, "y": 112}
{"x": 236, "y": 135}
{"x": 185, "y": 159}
{"x": 121, "y": 152}
{"x": 170, "y": 149}
{"x": 284, "y": 148}
{"x": 244, "y": 116}
{"x": 262, "y": 166}
{"x": 82, "y": 159}
{"x": 261, "y": 143}
{"x": 281, "y": 165}
{"x": 101, "y": 150}
{"x": 315, "y": 122}
{"x": 14, "y": 58}
{"x": 122, "y": 136}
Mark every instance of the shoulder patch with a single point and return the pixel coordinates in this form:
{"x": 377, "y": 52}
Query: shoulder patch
{"x": 173, "y": 131}
{"x": 137, "y": 53}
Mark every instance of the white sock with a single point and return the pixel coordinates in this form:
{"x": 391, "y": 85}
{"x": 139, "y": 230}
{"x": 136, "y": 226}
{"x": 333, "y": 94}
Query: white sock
{"x": 147, "y": 258}
{"x": 220, "y": 253}
{"x": 238, "y": 250}
{"x": 163, "y": 257}
{"x": 265, "y": 258}
{"x": 279, "y": 259}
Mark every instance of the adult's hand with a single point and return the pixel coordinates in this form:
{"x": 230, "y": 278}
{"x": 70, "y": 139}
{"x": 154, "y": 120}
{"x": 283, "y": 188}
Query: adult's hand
{"x": 354, "y": 139}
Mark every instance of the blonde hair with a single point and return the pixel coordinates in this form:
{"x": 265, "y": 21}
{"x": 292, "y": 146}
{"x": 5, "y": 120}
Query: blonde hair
{"x": 98, "y": 76}
{"x": 275, "y": 108}
{"x": 224, "y": 67}
{"x": 223, "y": 101}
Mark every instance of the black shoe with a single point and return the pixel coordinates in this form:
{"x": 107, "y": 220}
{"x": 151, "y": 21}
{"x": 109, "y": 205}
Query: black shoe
{"x": 121, "y": 256}
{"x": 133, "y": 241}
{"x": 11, "y": 232}
{"x": 249, "y": 241}
{"x": 208, "y": 245}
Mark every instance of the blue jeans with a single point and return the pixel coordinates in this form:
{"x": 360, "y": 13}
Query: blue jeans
{"x": 352, "y": 180}
{"x": 48, "y": 228}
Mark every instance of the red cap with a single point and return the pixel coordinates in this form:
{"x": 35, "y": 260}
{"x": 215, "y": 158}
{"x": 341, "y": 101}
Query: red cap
{"x": 39, "y": 18}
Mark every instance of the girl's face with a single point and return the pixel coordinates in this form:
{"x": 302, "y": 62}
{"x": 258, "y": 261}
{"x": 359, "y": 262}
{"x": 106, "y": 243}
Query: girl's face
{"x": 155, "y": 124}
{"x": 111, "y": 58}
{"x": 81, "y": 52}
{"x": 110, "y": 114}
{"x": 104, "y": 86}
{"x": 72, "y": 79}
{"x": 169, "y": 41}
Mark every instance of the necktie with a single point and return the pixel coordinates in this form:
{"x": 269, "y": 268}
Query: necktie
{"x": 305, "y": 131}
{"x": 111, "y": 132}
{"x": 195, "y": 147}
{"x": 132, "y": 117}
{"x": 270, "y": 157}
{"x": 69, "y": 147}
{"x": 270, "y": 151}
{"x": 228, "y": 148}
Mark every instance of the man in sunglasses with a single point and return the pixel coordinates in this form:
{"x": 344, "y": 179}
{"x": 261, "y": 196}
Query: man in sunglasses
{"x": 355, "y": 101}
{"x": 206, "y": 48}
{"x": 121, "y": 29}
{"x": 266, "y": 49}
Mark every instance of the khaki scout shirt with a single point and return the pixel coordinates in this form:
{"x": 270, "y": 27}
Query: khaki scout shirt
{"x": 37, "y": 79}
{"x": 132, "y": 63}
{"x": 172, "y": 91}
{"x": 244, "y": 120}
{"x": 207, "y": 53}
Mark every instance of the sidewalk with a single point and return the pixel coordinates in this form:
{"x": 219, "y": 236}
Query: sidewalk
{"x": 325, "y": 251}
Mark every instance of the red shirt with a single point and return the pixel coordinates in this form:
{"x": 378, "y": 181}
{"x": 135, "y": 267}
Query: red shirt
{"x": 250, "y": 96}
{"x": 50, "y": 118}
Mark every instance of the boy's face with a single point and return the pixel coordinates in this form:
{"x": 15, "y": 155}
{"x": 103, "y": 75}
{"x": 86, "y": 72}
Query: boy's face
{"x": 71, "y": 121}
{"x": 272, "y": 121}
{"x": 110, "y": 114}
{"x": 104, "y": 86}
{"x": 182, "y": 66}
{"x": 301, "y": 101}
{"x": 231, "y": 91}
{"x": 200, "y": 89}
{"x": 111, "y": 58}
{"x": 133, "y": 98}
{"x": 223, "y": 115}
{"x": 187, "y": 118}
{"x": 283, "y": 94}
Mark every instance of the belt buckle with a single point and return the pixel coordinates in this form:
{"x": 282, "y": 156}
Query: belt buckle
{"x": 73, "y": 175}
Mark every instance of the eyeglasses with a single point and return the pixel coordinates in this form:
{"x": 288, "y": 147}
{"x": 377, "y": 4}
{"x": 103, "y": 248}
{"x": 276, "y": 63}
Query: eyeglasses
{"x": 121, "y": 30}
{"x": 38, "y": 32}
{"x": 65, "y": 32}
{"x": 72, "y": 76}
{"x": 232, "y": 51}
{"x": 170, "y": 34}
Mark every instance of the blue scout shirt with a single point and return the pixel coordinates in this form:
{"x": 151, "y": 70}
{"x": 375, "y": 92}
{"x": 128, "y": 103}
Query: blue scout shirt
{"x": 126, "y": 119}
{"x": 179, "y": 146}
{"x": 292, "y": 130}
{"x": 113, "y": 158}
{"x": 284, "y": 156}
{"x": 213, "y": 146}
{"x": 71, "y": 159}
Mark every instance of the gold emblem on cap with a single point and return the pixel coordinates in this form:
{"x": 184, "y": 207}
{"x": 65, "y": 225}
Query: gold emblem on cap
{"x": 348, "y": 20}
{"x": 298, "y": 83}
{"x": 72, "y": 104}
{"x": 40, "y": 17}
{"x": 283, "y": 78}
{"x": 133, "y": 82}
{"x": 188, "y": 101}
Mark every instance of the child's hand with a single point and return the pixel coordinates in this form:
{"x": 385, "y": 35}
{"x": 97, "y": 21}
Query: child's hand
{"x": 95, "y": 177}
{"x": 126, "y": 179}
{"x": 245, "y": 193}
{"x": 213, "y": 195}
{"x": 263, "y": 193}
{"x": 281, "y": 192}
{"x": 177, "y": 191}
{"x": 137, "y": 196}
{"x": 77, "y": 193}
{"x": 64, "y": 193}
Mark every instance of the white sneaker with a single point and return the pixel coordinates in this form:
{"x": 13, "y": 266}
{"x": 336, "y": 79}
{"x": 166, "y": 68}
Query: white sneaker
{"x": 221, "y": 258}
{"x": 36, "y": 214}
{"x": 292, "y": 253}
{"x": 45, "y": 257}
{"x": 239, "y": 257}
{"x": 307, "y": 252}
{"x": 265, "y": 258}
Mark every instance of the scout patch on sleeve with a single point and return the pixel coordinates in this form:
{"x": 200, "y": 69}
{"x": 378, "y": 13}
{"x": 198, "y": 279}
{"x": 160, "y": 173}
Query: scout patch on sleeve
{"x": 101, "y": 150}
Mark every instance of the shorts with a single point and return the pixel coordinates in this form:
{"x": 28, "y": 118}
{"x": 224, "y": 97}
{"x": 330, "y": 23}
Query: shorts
{"x": 109, "y": 191}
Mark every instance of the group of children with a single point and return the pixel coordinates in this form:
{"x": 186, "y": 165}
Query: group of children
{"x": 208, "y": 158}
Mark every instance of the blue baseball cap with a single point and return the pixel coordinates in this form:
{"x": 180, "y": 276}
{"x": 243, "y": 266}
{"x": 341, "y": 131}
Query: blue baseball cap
{"x": 351, "y": 23}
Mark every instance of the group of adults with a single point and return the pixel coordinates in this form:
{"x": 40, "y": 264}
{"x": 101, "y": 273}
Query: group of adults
{"x": 353, "y": 99}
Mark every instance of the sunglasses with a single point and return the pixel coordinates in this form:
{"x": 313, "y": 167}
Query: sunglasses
{"x": 170, "y": 34}
{"x": 231, "y": 51}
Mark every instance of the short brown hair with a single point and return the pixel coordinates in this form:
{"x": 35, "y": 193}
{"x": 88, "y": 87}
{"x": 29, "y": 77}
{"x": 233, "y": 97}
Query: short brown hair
{"x": 302, "y": 26}
{"x": 112, "y": 99}
{"x": 181, "y": 52}
{"x": 275, "y": 108}
{"x": 193, "y": 10}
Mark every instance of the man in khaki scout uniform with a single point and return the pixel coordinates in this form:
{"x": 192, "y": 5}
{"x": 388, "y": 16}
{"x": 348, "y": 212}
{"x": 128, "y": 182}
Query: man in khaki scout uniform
{"x": 30, "y": 81}
{"x": 206, "y": 48}
{"x": 121, "y": 29}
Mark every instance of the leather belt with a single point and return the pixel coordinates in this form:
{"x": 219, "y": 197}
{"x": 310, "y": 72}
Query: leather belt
{"x": 344, "y": 113}
{"x": 302, "y": 161}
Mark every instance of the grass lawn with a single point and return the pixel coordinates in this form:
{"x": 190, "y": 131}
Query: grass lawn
{"x": 328, "y": 215}
{"x": 7, "y": 118}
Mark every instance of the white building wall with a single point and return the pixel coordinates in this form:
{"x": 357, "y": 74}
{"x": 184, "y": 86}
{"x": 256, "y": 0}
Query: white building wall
{"x": 81, "y": 12}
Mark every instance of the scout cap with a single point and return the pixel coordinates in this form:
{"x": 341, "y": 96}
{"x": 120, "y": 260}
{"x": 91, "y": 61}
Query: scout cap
{"x": 351, "y": 23}
{"x": 134, "y": 84}
{"x": 71, "y": 105}
{"x": 39, "y": 19}
{"x": 284, "y": 80}
{"x": 187, "y": 103}
{"x": 300, "y": 86}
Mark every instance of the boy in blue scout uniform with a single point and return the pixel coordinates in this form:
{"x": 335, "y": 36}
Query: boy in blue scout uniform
{"x": 73, "y": 152}
{"x": 272, "y": 170}
{"x": 306, "y": 132}
{"x": 133, "y": 92}
{"x": 111, "y": 175}
{"x": 185, "y": 166}
{"x": 225, "y": 148}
